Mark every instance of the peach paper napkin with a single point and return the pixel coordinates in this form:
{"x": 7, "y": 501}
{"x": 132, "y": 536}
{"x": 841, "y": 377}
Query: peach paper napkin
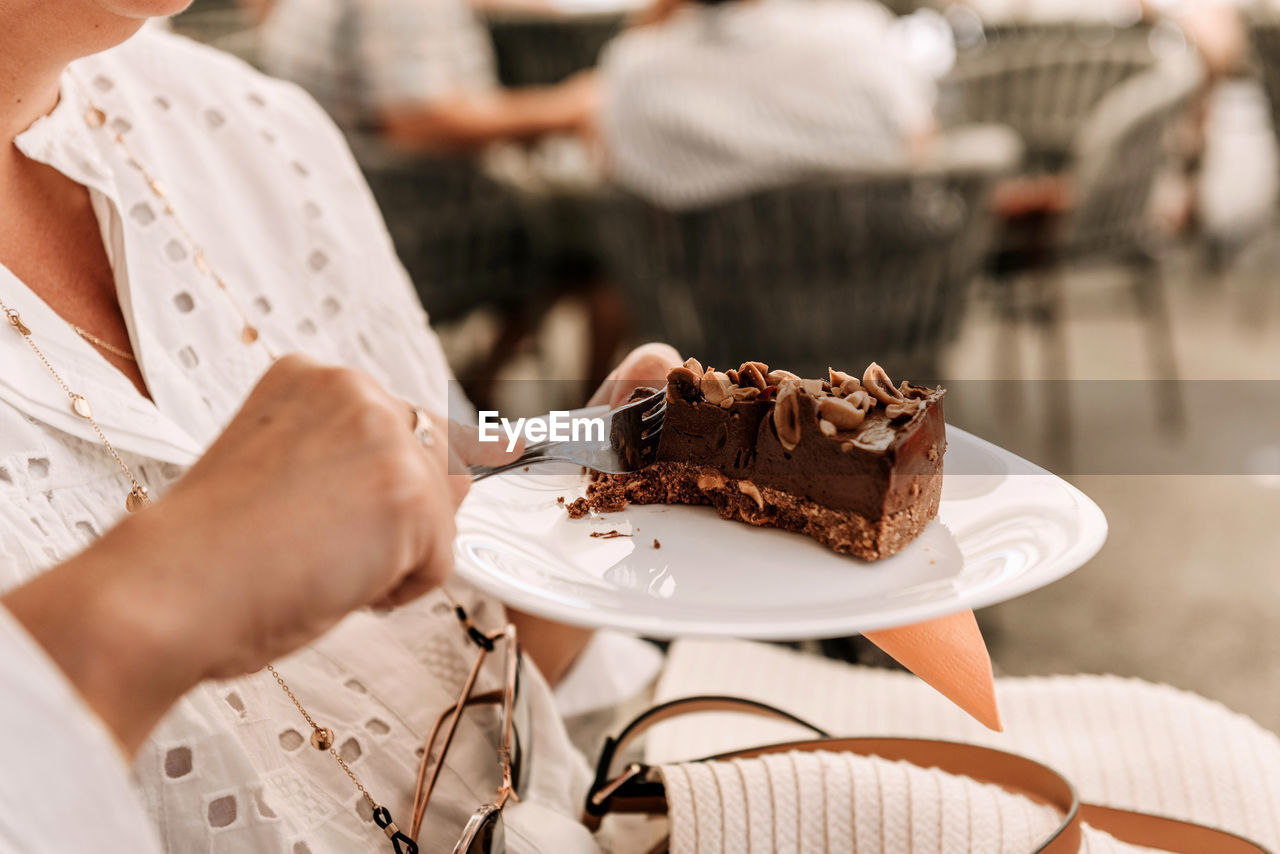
{"x": 950, "y": 655}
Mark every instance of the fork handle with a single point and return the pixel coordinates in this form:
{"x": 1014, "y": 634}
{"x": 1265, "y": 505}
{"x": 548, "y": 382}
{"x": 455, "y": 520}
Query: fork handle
{"x": 533, "y": 454}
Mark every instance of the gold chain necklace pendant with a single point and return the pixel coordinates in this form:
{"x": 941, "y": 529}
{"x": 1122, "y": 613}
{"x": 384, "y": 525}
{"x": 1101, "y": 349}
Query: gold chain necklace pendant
{"x": 137, "y": 497}
{"x": 96, "y": 118}
{"x": 323, "y": 740}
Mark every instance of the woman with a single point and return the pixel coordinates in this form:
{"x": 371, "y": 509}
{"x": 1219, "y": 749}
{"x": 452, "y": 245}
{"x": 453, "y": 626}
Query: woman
{"x": 173, "y": 222}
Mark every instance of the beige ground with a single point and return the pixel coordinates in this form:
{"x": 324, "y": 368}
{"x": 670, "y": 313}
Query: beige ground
{"x": 1187, "y": 588}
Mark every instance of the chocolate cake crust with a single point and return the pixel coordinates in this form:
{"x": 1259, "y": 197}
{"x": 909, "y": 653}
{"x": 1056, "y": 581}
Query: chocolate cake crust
{"x": 845, "y": 531}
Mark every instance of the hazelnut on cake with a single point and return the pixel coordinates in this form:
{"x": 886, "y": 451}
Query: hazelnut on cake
{"x": 855, "y": 463}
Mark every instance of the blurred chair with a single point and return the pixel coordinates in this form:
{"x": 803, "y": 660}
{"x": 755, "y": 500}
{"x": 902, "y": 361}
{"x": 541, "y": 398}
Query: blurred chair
{"x": 837, "y": 271}
{"x": 1102, "y": 215}
{"x": 1041, "y": 79}
{"x": 1264, "y": 32}
{"x": 460, "y": 234}
{"x": 463, "y": 238}
{"x": 542, "y": 49}
{"x": 469, "y": 241}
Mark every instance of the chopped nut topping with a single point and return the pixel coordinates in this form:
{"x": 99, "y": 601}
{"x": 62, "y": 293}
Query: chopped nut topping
{"x": 846, "y": 446}
{"x": 913, "y": 392}
{"x": 876, "y": 381}
{"x": 681, "y": 382}
{"x": 750, "y": 376}
{"x": 842, "y": 414}
{"x": 839, "y": 378}
{"x": 903, "y": 409}
{"x": 748, "y": 488}
{"x": 861, "y": 399}
{"x": 727, "y": 403}
{"x": 759, "y": 366}
{"x": 694, "y": 365}
{"x": 849, "y": 386}
{"x": 813, "y": 387}
{"x": 746, "y": 393}
{"x": 786, "y": 415}
{"x": 732, "y": 375}
{"x": 776, "y": 377}
{"x": 827, "y": 428}
{"x": 711, "y": 480}
{"x": 715, "y": 386}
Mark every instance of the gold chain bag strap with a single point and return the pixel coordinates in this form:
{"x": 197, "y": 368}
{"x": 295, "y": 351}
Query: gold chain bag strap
{"x": 637, "y": 788}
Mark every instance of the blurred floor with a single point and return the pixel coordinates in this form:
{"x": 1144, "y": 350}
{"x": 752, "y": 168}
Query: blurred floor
{"x": 1187, "y": 588}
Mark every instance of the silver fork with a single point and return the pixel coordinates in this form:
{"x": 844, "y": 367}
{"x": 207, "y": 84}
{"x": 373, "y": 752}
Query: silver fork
{"x": 632, "y": 432}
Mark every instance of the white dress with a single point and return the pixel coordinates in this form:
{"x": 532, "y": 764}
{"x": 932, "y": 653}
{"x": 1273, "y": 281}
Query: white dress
{"x": 265, "y": 183}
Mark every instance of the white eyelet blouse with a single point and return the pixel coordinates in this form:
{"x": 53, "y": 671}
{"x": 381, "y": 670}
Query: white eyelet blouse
{"x": 265, "y": 183}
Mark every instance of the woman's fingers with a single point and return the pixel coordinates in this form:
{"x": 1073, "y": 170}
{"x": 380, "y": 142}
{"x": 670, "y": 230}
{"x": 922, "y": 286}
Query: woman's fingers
{"x": 647, "y": 364}
{"x": 432, "y": 560}
{"x": 464, "y": 439}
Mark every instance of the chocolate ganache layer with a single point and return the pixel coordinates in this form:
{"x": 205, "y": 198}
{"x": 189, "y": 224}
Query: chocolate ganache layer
{"x": 855, "y": 463}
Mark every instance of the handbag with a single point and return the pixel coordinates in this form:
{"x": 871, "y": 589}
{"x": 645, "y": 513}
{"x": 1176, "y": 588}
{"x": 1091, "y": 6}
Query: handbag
{"x": 637, "y": 789}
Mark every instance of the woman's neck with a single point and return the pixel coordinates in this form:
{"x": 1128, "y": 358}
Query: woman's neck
{"x": 38, "y": 41}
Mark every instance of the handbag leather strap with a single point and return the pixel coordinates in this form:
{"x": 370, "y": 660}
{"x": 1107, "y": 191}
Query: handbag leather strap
{"x": 636, "y": 789}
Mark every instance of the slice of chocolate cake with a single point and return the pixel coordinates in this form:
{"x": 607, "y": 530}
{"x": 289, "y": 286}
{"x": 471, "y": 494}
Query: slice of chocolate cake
{"x": 856, "y": 464}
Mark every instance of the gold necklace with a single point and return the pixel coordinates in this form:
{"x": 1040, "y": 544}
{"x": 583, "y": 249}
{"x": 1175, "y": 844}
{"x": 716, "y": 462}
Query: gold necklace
{"x": 322, "y": 738}
{"x": 137, "y": 497}
{"x": 105, "y": 345}
{"x": 96, "y": 118}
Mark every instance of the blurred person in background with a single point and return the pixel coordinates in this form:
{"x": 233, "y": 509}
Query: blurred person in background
{"x": 423, "y": 74}
{"x": 709, "y": 99}
{"x": 422, "y": 77}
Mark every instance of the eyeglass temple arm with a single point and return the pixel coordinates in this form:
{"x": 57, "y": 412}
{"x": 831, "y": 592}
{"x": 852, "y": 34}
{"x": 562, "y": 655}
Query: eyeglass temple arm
{"x": 486, "y": 699}
{"x": 421, "y": 793}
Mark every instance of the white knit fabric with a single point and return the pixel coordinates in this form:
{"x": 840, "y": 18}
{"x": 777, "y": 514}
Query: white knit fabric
{"x": 1123, "y": 743}
{"x": 802, "y": 803}
{"x": 791, "y": 803}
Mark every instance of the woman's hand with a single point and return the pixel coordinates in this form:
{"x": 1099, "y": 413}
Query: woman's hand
{"x": 555, "y": 646}
{"x": 317, "y": 499}
{"x": 333, "y": 500}
{"x": 646, "y": 365}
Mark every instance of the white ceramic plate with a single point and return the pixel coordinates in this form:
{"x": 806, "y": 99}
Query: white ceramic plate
{"x": 1005, "y": 527}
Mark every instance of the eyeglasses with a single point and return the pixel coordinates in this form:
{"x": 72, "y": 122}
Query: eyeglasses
{"x": 484, "y": 832}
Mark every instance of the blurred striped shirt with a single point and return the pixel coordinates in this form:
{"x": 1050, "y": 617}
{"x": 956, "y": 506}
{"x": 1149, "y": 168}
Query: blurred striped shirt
{"x": 358, "y": 57}
{"x": 719, "y": 101}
